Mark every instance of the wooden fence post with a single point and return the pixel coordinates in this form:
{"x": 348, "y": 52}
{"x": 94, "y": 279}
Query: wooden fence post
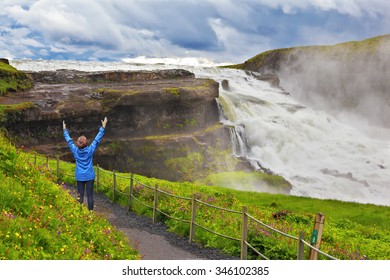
{"x": 315, "y": 239}
{"x": 131, "y": 191}
{"x": 47, "y": 161}
{"x": 155, "y": 204}
{"x": 114, "y": 184}
{"x": 301, "y": 247}
{"x": 193, "y": 218}
{"x": 244, "y": 234}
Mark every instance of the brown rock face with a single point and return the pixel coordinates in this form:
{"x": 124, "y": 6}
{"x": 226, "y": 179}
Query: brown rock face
{"x": 154, "y": 118}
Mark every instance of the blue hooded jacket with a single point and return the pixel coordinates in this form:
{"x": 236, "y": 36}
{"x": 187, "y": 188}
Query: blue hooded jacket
{"x": 84, "y": 168}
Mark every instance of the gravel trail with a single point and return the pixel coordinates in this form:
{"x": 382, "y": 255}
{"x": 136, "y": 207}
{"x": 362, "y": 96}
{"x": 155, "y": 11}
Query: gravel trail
{"x": 152, "y": 241}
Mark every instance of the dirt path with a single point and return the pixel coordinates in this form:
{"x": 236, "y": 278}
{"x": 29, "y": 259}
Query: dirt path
{"x": 152, "y": 241}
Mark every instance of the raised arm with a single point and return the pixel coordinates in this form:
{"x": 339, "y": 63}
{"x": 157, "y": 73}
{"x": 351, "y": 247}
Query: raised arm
{"x": 68, "y": 140}
{"x": 99, "y": 136}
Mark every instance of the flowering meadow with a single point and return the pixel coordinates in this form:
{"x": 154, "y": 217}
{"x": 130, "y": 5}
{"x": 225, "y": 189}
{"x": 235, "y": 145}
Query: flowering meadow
{"x": 39, "y": 219}
{"x": 352, "y": 231}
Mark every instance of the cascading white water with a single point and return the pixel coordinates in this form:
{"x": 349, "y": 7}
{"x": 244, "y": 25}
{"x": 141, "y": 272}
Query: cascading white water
{"x": 318, "y": 154}
{"x": 238, "y": 140}
{"x": 321, "y": 156}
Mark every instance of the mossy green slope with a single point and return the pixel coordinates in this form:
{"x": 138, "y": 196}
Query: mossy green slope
{"x": 271, "y": 59}
{"x": 13, "y": 80}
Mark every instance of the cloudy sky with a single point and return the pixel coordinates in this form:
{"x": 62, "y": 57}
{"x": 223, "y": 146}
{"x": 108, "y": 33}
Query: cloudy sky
{"x": 220, "y": 30}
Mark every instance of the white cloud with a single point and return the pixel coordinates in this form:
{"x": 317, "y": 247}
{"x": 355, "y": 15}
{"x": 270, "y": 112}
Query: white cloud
{"x": 314, "y": 35}
{"x": 7, "y": 3}
{"x": 355, "y": 8}
{"x": 57, "y": 20}
{"x": 235, "y": 42}
{"x": 113, "y": 25}
{"x": 221, "y": 29}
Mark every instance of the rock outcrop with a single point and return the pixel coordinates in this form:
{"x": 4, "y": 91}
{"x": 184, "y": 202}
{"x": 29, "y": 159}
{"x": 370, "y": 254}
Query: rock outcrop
{"x": 4, "y": 60}
{"x": 161, "y": 123}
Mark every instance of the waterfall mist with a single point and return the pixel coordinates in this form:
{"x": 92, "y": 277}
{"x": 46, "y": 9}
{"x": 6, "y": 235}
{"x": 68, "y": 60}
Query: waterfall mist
{"x": 319, "y": 154}
{"x": 351, "y": 84}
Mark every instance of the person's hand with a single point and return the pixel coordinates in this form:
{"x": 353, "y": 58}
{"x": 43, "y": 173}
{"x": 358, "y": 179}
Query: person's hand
{"x": 104, "y": 123}
{"x": 63, "y": 125}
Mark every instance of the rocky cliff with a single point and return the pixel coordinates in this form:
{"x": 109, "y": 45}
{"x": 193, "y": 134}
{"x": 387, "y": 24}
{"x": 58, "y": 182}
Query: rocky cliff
{"x": 161, "y": 123}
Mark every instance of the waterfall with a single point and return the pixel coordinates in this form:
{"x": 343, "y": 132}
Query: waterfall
{"x": 238, "y": 140}
{"x": 323, "y": 157}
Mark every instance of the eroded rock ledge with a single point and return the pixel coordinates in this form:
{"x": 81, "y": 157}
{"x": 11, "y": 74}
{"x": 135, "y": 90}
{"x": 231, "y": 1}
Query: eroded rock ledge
{"x": 161, "y": 123}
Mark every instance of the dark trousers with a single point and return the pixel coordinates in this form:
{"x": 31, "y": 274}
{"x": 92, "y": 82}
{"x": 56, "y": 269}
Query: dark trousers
{"x": 81, "y": 186}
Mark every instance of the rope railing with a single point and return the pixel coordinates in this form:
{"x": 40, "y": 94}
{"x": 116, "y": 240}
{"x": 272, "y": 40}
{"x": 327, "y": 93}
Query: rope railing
{"x": 142, "y": 184}
{"x": 122, "y": 192}
{"x": 245, "y": 217}
{"x": 173, "y": 218}
{"x": 141, "y": 202}
{"x": 317, "y": 250}
{"x": 271, "y": 228}
{"x": 173, "y": 195}
{"x": 257, "y": 252}
{"x": 216, "y": 233}
{"x": 217, "y": 207}
{"x": 105, "y": 171}
{"x": 119, "y": 176}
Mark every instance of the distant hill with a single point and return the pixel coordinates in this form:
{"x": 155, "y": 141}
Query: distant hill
{"x": 272, "y": 60}
{"x": 350, "y": 78}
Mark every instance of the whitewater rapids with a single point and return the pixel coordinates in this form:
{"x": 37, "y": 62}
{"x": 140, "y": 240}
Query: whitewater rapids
{"x": 321, "y": 156}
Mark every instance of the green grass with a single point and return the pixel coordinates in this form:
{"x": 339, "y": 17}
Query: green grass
{"x": 39, "y": 219}
{"x": 173, "y": 91}
{"x": 352, "y": 230}
{"x": 12, "y": 80}
{"x": 249, "y": 181}
{"x": 7, "y": 68}
{"x": 10, "y": 109}
{"x": 353, "y": 49}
